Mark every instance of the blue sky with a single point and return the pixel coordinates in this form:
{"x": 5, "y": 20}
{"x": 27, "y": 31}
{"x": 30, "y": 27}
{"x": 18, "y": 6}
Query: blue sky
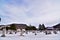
{"x": 32, "y": 12}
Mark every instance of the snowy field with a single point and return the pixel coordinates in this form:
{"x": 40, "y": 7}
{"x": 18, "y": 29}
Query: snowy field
{"x": 31, "y": 36}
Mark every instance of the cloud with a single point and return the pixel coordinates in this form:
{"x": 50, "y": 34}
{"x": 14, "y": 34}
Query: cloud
{"x": 47, "y": 12}
{"x": 32, "y": 12}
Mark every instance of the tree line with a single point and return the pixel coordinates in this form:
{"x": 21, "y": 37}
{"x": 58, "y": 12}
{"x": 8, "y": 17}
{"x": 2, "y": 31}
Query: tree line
{"x": 30, "y": 27}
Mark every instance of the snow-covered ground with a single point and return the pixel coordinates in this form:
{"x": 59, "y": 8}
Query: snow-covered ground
{"x": 31, "y": 36}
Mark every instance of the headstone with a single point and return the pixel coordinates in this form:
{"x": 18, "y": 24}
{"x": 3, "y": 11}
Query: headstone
{"x": 35, "y": 33}
{"x": 55, "y": 32}
{"x": 47, "y": 32}
{"x": 22, "y": 32}
{"x": 3, "y": 33}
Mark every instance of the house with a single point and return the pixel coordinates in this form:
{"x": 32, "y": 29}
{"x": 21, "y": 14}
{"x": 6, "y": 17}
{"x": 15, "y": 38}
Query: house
{"x": 57, "y": 27}
{"x": 49, "y": 28}
{"x": 2, "y": 26}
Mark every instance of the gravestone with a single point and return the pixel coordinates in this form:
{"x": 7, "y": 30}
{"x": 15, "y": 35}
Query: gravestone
{"x": 3, "y": 32}
{"x": 22, "y": 32}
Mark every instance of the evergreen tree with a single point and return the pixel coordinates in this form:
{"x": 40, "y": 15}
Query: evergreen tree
{"x": 13, "y": 27}
{"x": 7, "y": 28}
{"x": 41, "y": 27}
{"x": 31, "y": 28}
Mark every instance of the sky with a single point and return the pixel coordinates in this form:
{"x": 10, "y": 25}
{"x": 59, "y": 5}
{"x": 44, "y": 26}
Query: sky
{"x": 28, "y": 12}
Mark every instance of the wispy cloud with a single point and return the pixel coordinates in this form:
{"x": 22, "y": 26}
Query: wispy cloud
{"x": 31, "y": 12}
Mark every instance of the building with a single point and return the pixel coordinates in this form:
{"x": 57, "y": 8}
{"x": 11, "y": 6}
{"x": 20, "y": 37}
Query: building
{"x": 49, "y": 28}
{"x": 57, "y": 27}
